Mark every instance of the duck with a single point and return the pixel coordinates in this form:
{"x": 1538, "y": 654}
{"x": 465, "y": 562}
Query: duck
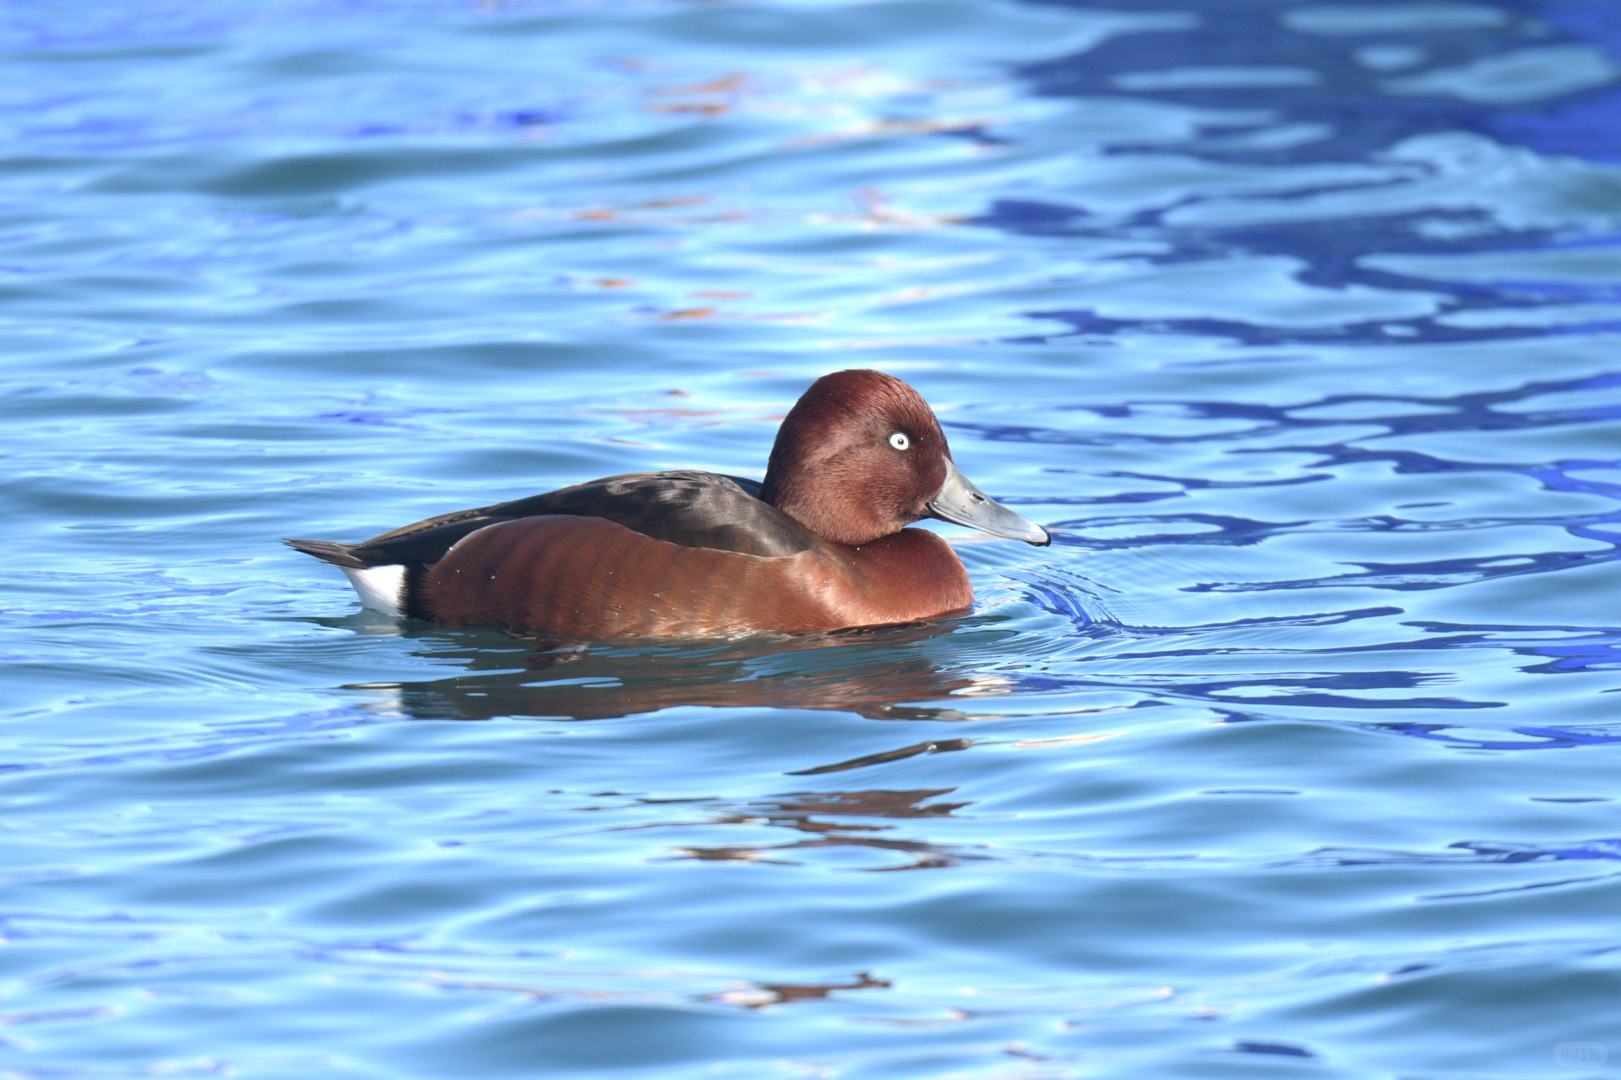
{"x": 822, "y": 543}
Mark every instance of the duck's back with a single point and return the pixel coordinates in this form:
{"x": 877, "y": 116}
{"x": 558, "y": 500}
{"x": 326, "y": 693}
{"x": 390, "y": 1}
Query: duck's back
{"x": 690, "y": 508}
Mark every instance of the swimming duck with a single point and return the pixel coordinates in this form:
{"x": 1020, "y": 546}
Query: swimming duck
{"x": 821, "y": 544}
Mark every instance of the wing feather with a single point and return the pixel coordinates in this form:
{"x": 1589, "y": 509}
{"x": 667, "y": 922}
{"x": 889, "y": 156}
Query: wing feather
{"x": 688, "y": 508}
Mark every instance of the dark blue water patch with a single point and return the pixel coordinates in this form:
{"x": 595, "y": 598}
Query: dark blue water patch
{"x": 1329, "y": 254}
{"x": 1426, "y": 574}
{"x": 1463, "y": 852}
{"x": 1310, "y": 619}
{"x": 1398, "y": 415}
{"x": 1327, "y": 247}
{"x": 1362, "y": 120}
{"x": 1573, "y": 650}
{"x": 1090, "y": 328}
{"x": 1312, "y": 692}
{"x": 1607, "y": 849}
{"x": 531, "y": 120}
{"x": 1596, "y": 654}
{"x": 1344, "y": 96}
{"x": 1031, "y": 217}
{"x": 1480, "y": 412}
{"x": 395, "y": 417}
{"x": 1113, "y": 498}
{"x": 1064, "y": 602}
{"x": 1529, "y": 737}
{"x": 1586, "y": 127}
{"x": 1159, "y": 529}
{"x": 1275, "y": 1049}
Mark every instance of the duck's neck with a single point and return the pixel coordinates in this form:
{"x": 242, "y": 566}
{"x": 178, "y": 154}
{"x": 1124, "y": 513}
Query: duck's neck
{"x": 851, "y": 523}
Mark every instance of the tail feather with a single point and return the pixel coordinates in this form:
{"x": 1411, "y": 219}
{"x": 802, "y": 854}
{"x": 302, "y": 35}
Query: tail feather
{"x": 330, "y": 551}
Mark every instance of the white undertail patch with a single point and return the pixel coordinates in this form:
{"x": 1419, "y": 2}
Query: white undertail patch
{"x": 381, "y": 588}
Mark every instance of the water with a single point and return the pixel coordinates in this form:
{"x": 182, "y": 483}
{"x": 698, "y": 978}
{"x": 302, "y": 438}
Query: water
{"x": 1295, "y": 755}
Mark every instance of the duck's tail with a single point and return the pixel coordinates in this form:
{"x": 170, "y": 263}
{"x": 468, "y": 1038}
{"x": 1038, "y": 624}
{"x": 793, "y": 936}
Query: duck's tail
{"x": 381, "y": 586}
{"x": 330, "y": 551}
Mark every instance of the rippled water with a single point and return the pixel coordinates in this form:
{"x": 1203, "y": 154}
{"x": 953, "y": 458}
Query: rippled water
{"x": 1296, "y": 754}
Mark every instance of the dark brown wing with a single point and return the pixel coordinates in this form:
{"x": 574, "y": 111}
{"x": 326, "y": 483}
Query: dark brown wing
{"x": 692, "y": 509}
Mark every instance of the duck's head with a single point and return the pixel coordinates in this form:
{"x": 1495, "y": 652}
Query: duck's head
{"x": 861, "y": 455}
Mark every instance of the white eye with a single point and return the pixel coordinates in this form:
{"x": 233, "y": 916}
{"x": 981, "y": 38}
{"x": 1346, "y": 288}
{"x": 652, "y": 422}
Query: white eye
{"x": 899, "y": 441}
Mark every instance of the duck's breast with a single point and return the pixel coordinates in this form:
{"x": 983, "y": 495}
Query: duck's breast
{"x": 902, "y": 577}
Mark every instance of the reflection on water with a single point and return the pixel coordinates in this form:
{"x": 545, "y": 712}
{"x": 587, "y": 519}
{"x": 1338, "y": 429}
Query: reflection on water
{"x": 799, "y": 812}
{"x": 763, "y": 994}
{"x": 883, "y": 673}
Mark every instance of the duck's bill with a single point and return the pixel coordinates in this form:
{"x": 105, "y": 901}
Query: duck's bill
{"x": 962, "y": 503}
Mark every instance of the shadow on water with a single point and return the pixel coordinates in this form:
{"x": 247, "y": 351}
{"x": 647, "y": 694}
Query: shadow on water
{"x": 887, "y": 673}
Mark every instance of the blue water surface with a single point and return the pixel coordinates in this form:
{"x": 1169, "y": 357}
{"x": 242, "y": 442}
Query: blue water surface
{"x": 1296, "y": 754}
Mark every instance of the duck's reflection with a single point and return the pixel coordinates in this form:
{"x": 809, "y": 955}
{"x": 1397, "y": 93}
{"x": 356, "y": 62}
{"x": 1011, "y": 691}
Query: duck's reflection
{"x": 824, "y": 817}
{"x": 759, "y": 995}
{"x": 892, "y": 673}
{"x": 912, "y": 672}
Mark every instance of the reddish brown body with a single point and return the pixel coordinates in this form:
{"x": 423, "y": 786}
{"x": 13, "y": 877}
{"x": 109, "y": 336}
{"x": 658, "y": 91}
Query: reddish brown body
{"x": 820, "y": 544}
{"x": 587, "y": 578}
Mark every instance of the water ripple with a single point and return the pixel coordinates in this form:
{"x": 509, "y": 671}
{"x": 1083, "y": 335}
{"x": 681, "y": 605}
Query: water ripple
{"x": 1296, "y": 324}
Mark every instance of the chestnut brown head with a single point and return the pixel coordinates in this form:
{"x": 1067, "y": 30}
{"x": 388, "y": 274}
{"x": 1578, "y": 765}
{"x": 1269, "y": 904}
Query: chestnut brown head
{"x": 861, "y": 455}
